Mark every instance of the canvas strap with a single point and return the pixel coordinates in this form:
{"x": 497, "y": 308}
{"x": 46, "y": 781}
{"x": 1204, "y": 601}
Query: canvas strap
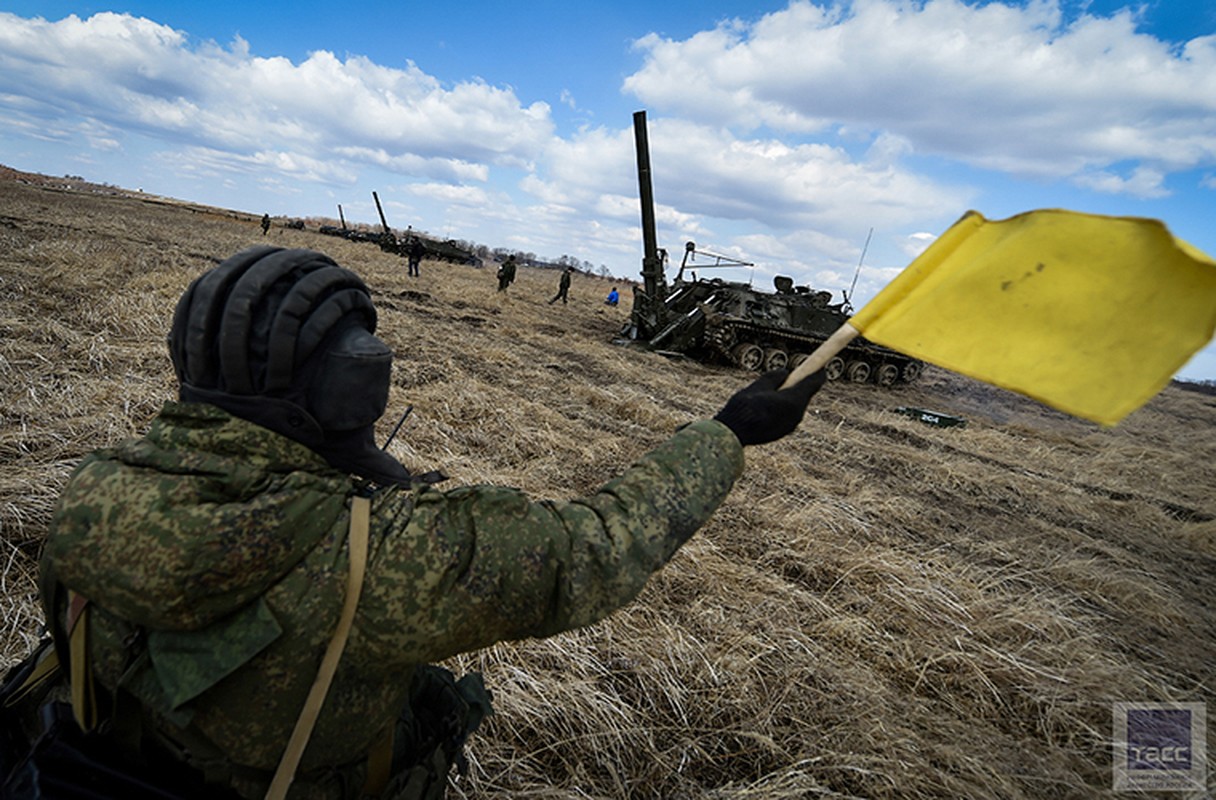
{"x": 84, "y": 696}
{"x": 360, "y": 514}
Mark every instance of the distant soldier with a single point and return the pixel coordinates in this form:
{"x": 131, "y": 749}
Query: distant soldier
{"x": 415, "y": 253}
{"x": 506, "y": 274}
{"x": 563, "y": 286}
{"x": 265, "y": 223}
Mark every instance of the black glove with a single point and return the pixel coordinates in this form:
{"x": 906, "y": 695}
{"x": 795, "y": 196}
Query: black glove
{"x": 759, "y": 413}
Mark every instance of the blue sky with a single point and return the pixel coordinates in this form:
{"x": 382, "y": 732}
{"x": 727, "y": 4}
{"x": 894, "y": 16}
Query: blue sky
{"x": 781, "y": 133}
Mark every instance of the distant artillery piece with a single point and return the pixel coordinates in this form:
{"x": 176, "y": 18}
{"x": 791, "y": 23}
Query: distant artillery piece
{"x": 349, "y": 234}
{"x": 440, "y": 251}
{"x": 450, "y": 251}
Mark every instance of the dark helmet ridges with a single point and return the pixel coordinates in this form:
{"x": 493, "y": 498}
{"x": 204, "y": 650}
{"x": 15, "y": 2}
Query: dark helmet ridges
{"x": 283, "y": 338}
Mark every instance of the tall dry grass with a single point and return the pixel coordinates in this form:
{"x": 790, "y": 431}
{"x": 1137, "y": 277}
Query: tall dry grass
{"x": 880, "y": 609}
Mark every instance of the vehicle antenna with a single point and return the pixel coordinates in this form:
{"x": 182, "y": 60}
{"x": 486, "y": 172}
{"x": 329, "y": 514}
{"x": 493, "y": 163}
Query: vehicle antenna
{"x": 864, "y": 248}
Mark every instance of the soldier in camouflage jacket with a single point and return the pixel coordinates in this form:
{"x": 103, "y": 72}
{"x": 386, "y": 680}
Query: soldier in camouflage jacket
{"x": 213, "y": 551}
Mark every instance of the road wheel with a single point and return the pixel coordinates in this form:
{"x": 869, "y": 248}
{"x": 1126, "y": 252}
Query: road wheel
{"x": 858, "y": 372}
{"x": 834, "y": 368}
{"x": 749, "y": 356}
{"x": 887, "y": 374}
{"x": 775, "y": 359}
{"x": 721, "y": 337}
{"x": 796, "y": 360}
{"x": 912, "y": 370}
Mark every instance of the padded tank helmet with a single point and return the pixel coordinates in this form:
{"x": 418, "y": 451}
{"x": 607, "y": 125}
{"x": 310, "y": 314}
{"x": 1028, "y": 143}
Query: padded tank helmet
{"x": 284, "y": 339}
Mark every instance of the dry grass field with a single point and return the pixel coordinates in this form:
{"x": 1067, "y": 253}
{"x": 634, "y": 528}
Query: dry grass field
{"x": 881, "y": 609}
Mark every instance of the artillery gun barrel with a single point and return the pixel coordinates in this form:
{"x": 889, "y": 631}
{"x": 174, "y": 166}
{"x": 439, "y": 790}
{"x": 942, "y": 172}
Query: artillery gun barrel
{"x": 341, "y": 217}
{"x": 652, "y": 265}
{"x": 383, "y": 221}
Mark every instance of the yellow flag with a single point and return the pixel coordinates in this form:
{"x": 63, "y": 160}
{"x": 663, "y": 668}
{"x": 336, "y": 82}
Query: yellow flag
{"x": 1089, "y": 314}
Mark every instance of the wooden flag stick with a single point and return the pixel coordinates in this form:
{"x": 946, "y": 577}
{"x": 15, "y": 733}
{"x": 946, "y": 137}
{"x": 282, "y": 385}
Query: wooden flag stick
{"x": 823, "y": 354}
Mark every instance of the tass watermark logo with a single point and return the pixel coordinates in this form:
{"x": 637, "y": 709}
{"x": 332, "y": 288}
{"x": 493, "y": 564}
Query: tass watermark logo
{"x": 1159, "y": 746}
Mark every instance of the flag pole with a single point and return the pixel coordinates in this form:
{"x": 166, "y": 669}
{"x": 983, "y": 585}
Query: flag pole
{"x": 823, "y": 354}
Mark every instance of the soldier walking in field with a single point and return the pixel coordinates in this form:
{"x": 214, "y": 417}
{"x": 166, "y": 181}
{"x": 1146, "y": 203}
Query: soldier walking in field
{"x": 415, "y": 253}
{"x": 506, "y": 273}
{"x": 563, "y": 286}
{"x": 265, "y": 223}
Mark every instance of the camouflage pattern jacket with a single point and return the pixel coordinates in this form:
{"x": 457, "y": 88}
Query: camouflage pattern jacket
{"x": 219, "y": 548}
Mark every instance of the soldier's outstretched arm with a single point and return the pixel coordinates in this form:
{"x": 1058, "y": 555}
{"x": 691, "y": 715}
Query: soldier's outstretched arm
{"x": 482, "y": 564}
{"x": 477, "y": 565}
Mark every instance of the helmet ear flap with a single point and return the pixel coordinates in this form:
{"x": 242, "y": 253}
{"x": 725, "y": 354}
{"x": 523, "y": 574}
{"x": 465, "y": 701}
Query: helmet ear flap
{"x": 357, "y": 370}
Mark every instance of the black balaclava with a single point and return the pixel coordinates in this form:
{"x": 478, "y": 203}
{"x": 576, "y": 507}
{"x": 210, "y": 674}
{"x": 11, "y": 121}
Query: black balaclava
{"x": 283, "y": 338}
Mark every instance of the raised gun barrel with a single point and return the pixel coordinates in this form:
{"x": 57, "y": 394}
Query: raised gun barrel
{"x": 648, "y": 303}
{"x": 383, "y": 221}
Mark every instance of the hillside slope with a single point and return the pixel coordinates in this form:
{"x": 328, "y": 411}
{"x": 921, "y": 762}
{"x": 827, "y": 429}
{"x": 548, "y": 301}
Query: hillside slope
{"x": 880, "y": 609}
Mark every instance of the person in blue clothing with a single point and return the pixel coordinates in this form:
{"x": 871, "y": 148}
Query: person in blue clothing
{"x": 614, "y": 297}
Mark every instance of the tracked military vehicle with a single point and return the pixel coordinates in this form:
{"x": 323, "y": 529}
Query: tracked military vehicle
{"x": 450, "y": 250}
{"x": 734, "y": 323}
{"x": 439, "y": 251}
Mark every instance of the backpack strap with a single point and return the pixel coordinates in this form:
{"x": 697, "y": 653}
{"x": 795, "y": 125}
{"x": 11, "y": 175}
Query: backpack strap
{"x": 69, "y": 648}
{"x": 360, "y": 515}
{"x": 80, "y": 677}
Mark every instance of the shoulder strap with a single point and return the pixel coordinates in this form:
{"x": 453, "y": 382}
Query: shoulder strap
{"x": 80, "y": 677}
{"x": 70, "y": 644}
{"x": 360, "y": 514}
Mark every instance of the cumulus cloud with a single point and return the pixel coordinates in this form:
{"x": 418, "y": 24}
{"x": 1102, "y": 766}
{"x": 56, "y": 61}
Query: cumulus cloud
{"x": 419, "y": 166}
{"x": 914, "y": 244}
{"x": 207, "y": 162}
{"x": 708, "y": 172}
{"x": 1007, "y": 87}
{"x": 135, "y": 74}
{"x": 448, "y": 193}
{"x": 1143, "y": 182}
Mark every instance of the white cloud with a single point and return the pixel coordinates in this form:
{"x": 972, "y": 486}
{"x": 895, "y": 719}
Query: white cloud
{"x": 914, "y": 244}
{"x": 205, "y": 162}
{"x": 133, "y": 73}
{"x": 781, "y": 185}
{"x": 1005, "y": 87}
{"x": 449, "y": 193}
{"x": 618, "y": 207}
{"x": 1143, "y": 182}
{"x": 709, "y": 173}
{"x": 415, "y": 165}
